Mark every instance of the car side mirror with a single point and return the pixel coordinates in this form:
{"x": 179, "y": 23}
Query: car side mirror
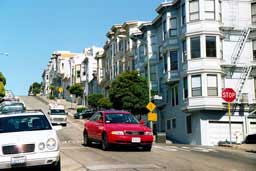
{"x": 99, "y": 121}
{"x": 142, "y": 122}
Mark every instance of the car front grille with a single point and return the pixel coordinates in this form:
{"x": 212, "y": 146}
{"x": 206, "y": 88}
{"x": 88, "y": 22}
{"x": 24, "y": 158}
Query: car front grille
{"x": 58, "y": 119}
{"x": 16, "y": 149}
{"x": 134, "y": 133}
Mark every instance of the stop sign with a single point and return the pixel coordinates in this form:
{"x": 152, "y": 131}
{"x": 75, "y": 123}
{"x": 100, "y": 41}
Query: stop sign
{"x": 228, "y": 94}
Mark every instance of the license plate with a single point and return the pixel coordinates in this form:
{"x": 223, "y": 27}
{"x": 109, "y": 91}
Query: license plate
{"x": 18, "y": 160}
{"x": 136, "y": 140}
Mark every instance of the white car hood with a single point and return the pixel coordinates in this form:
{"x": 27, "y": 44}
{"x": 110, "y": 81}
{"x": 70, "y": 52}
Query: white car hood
{"x": 26, "y": 137}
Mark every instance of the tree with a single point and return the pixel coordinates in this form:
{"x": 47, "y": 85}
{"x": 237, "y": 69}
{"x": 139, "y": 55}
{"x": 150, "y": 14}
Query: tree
{"x": 77, "y": 90}
{"x": 35, "y": 88}
{"x": 2, "y": 89}
{"x": 93, "y": 99}
{"x": 129, "y": 91}
{"x": 105, "y": 103}
{"x": 2, "y": 78}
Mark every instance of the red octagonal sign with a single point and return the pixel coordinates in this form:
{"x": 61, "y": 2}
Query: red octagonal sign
{"x": 228, "y": 94}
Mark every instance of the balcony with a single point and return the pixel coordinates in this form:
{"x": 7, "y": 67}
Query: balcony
{"x": 171, "y": 77}
{"x": 203, "y": 103}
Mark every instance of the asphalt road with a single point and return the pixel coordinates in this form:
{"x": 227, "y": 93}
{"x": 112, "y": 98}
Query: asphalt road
{"x": 76, "y": 157}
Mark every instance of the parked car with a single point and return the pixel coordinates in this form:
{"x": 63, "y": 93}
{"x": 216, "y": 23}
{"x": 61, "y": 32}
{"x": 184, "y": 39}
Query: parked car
{"x": 250, "y": 139}
{"x": 117, "y": 128}
{"x": 57, "y": 114}
{"x": 12, "y": 107}
{"x": 83, "y": 114}
{"x": 28, "y": 139}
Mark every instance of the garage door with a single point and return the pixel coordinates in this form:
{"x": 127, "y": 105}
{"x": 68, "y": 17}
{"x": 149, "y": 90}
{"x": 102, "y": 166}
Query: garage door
{"x": 218, "y": 131}
{"x": 252, "y": 129}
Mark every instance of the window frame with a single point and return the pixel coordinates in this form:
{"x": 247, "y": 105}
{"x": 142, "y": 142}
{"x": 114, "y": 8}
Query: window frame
{"x": 173, "y": 29}
{"x": 189, "y": 124}
{"x": 194, "y": 50}
{"x": 212, "y": 88}
{"x": 174, "y": 60}
{"x": 210, "y": 12}
{"x": 195, "y": 12}
{"x": 210, "y": 49}
{"x": 252, "y": 14}
{"x": 196, "y": 88}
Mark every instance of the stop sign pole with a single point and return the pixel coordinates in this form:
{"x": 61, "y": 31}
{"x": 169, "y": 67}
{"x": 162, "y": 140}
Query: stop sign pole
{"x": 229, "y": 95}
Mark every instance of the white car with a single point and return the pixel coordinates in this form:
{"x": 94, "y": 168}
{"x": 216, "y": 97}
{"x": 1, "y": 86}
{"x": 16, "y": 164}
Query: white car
{"x": 28, "y": 139}
{"x": 57, "y": 115}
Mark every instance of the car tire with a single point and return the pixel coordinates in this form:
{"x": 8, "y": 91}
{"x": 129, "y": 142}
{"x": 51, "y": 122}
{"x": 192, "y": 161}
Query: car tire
{"x": 104, "y": 144}
{"x": 56, "y": 167}
{"x": 64, "y": 125}
{"x": 87, "y": 141}
{"x": 147, "y": 147}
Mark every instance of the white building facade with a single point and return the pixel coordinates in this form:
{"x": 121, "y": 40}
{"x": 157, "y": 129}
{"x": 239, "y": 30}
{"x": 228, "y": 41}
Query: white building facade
{"x": 196, "y": 49}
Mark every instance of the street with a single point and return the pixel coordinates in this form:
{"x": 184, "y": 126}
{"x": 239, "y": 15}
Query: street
{"x": 163, "y": 157}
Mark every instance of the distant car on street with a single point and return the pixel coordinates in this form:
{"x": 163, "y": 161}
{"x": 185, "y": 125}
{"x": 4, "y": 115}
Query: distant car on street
{"x": 83, "y": 114}
{"x": 117, "y": 128}
{"x": 12, "y": 107}
{"x": 57, "y": 114}
{"x": 28, "y": 139}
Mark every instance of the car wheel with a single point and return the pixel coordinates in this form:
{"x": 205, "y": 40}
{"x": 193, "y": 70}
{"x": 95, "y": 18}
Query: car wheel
{"x": 104, "y": 144}
{"x": 56, "y": 167}
{"x": 147, "y": 148}
{"x": 87, "y": 141}
{"x": 64, "y": 124}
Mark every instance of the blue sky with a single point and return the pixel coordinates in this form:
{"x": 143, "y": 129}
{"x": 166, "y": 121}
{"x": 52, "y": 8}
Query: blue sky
{"x": 30, "y": 30}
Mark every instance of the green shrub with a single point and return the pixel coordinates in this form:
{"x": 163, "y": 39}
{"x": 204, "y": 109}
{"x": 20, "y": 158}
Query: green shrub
{"x": 51, "y": 97}
{"x": 80, "y": 109}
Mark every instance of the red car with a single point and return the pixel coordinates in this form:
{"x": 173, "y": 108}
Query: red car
{"x": 117, "y": 128}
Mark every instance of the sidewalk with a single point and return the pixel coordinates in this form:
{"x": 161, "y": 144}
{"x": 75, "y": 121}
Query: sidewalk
{"x": 243, "y": 147}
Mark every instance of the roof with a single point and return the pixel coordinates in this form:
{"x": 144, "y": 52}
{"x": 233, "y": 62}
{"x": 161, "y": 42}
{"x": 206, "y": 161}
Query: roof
{"x": 114, "y": 111}
{"x": 27, "y": 113}
{"x": 160, "y": 8}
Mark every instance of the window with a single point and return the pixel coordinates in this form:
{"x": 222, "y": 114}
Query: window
{"x": 78, "y": 74}
{"x": 165, "y": 63}
{"x": 183, "y": 11}
{"x": 168, "y": 124}
{"x": 209, "y": 7}
{"x": 255, "y": 86}
{"x": 212, "y": 85}
{"x": 196, "y": 85}
{"x": 184, "y": 51}
{"x": 185, "y": 87}
{"x": 194, "y": 10}
{"x": 164, "y": 30}
{"x": 84, "y": 73}
{"x": 47, "y": 77}
{"x": 175, "y": 97}
{"x": 173, "y": 123}
{"x": 195, "y": 47}
{"x": 253, "y": 13}
{"x": 174, "y": 60}
{"x": 254, "y": 49}
{"x": 173, "y": 27}
{"x": 210, "y": 46}
{"x": 62, "y": 65}
{"x": 189, "y": 124}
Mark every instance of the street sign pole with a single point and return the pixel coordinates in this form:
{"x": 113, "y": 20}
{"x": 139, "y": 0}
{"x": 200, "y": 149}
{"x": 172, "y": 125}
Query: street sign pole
{"x": 229, "y": 118}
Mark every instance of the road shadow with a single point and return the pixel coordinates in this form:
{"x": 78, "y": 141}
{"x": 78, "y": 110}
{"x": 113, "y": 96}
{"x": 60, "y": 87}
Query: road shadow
{"x": 118, "y": 148}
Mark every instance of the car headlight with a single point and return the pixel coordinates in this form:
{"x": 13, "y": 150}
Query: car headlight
{"x": 117, "y": 133}
{"x": 41, "y": 146}
{"x": 148, "y": 133}
{"x": 51, "y": 144}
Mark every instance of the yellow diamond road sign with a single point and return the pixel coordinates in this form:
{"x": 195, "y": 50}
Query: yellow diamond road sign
{"x": 151, "y": 106}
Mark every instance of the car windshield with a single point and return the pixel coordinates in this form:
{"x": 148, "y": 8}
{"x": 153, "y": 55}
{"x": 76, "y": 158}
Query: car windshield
{"x": 24, "y": 123}
{"x": 12, "y": 108}
{"x": 121, "y": 118}
{"x": 57, "y": 112}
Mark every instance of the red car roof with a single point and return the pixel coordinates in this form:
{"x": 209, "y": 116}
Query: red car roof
{"x": 114, "y": 112}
